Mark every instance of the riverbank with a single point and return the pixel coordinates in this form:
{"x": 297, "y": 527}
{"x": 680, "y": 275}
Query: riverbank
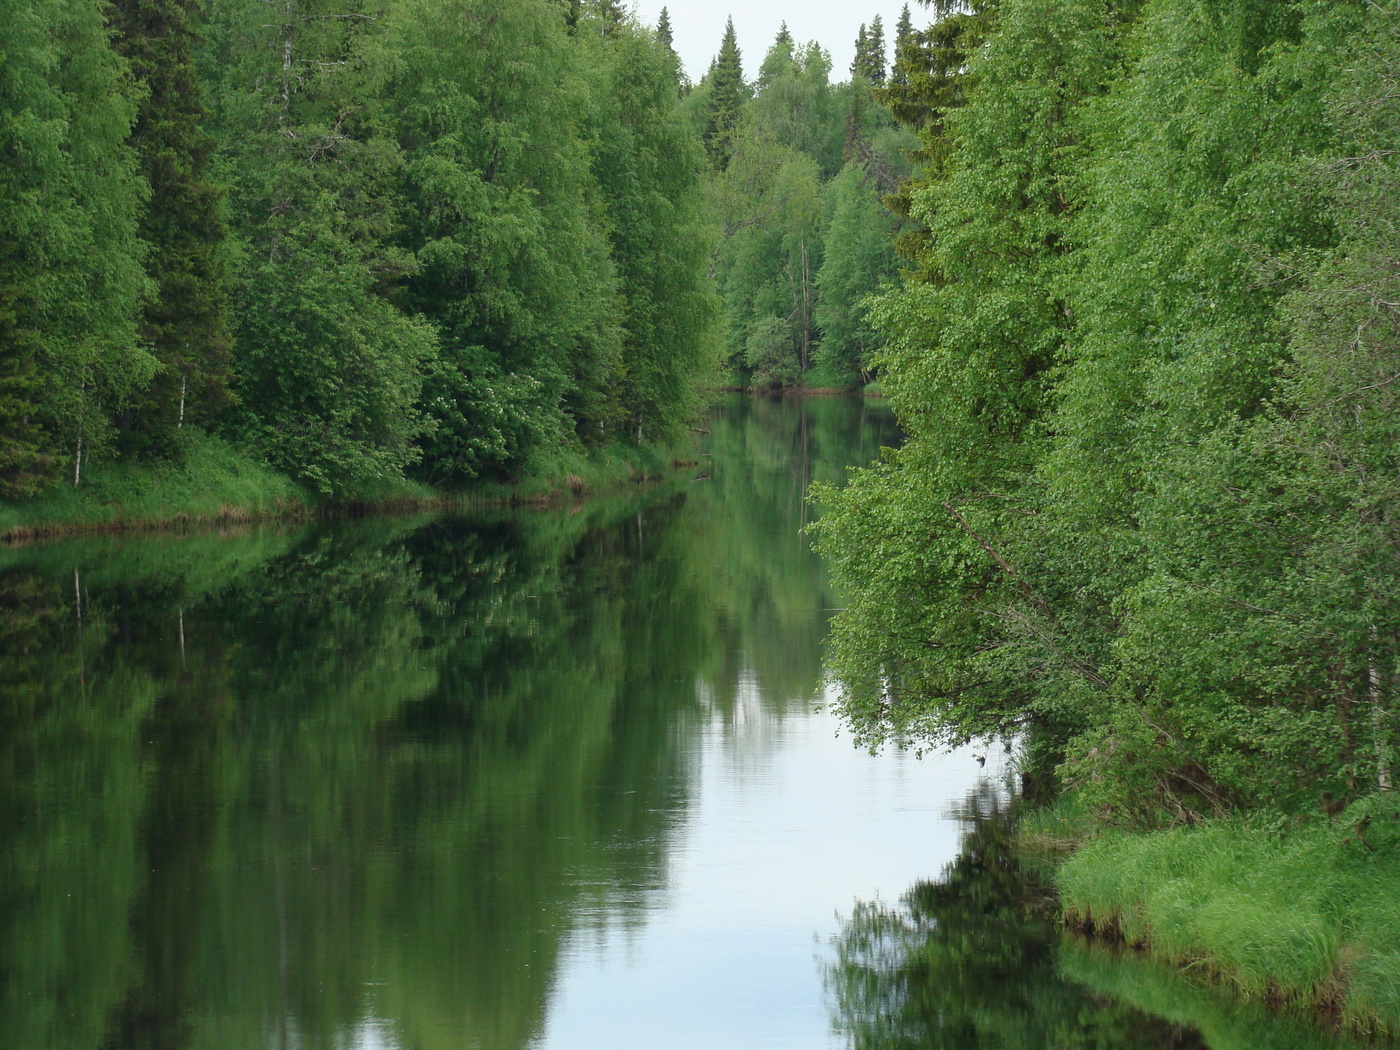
{"x": 217, "y": 484}
{"x": 1301, "y": 912}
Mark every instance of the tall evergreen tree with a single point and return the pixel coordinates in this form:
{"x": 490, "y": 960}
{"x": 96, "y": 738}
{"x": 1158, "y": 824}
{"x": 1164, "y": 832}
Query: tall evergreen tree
{"x": 875, "y": 46}
{"x": 663, "y": 30}
{"x": 903, "y": 35}
{"x": 859, "y": 62}
{"x": 182, "y": 222}
{"x": 728, "y": 92}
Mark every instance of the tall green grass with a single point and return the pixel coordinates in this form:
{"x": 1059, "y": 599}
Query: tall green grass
{"x": 214, "y": 480}
{"x": 1308, "y": 912}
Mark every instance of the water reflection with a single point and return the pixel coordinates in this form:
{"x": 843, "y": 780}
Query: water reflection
{"x": 363, "y": 785}
{"x": 976, "y": 960}
{"x": 548, "y": 780}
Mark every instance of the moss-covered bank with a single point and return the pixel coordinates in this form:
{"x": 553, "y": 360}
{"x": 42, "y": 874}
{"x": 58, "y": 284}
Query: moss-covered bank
{"x": 1298, "y": 911}
{"x": 214, "y": 482}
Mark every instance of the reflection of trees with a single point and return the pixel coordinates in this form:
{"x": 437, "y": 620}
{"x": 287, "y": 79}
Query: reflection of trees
{"x": 772, "y": 596}
{"x": 977, "y": 960}
{"x": 267, "y": 789}
{"x": 406, "y": 759}
{"x": 968, "y": 962}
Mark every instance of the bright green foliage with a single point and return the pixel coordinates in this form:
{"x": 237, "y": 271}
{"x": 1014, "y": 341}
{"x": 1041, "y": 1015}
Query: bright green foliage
{"x": 182, "y": 224}
{"x": 795, "y": 103}
{"x": 514, "y": 268}
{"x": 969, "y": 362}
{"x": 859, "y": 260}
{"x": 70, "y": 263}
{"x": 329, "y": 367}
{"x": 771, "y": 216}
{"x": 648, "y": 166}
{"x": 457, "y": 233}
{"x": 1145, "y": 362}
{"x": 774, "y": 205}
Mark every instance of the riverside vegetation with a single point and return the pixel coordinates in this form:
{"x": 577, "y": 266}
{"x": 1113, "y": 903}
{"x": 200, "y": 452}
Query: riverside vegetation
{"x": 261, "y": 255}
{"x": 1141, "y": 331}
{"x": 1146, "y": 354}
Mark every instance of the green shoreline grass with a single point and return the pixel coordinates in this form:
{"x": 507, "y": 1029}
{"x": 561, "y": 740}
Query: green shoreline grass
{"x": 217, "y": 484}
{"x": 1305, "y": 913}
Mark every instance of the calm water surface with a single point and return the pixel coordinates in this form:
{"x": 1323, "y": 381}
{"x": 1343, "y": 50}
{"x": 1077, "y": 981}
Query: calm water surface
{"x": 555, "y": 780}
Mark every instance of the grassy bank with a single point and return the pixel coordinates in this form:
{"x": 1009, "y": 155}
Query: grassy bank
{"x": 217, "y": 483}
{"x": 1285, "y": 911}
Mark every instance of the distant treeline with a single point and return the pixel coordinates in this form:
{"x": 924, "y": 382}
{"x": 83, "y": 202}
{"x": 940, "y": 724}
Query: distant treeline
{"x": 801, "y": 169}
{"x": 370, "y": 239}
{"x": 1147, "y": 352}
{"x": 360, "y": 237}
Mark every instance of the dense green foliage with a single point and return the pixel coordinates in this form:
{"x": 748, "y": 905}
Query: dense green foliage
{"x": 800, "y": 166}
{"x": 70, "y": 260}
{"x": 358, "y": 238}
{"x": 1146, "y": 354}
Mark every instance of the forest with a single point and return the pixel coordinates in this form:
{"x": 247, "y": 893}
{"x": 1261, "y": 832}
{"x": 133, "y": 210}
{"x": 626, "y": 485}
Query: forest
{"x": 1146, "y": 352}
{"x": 1128, "y": 270}
{"x": 371, "y": 242}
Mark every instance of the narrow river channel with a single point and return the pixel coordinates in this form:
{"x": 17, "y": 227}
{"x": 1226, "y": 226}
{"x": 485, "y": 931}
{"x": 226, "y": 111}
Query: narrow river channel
{"x": 556, "y": 779}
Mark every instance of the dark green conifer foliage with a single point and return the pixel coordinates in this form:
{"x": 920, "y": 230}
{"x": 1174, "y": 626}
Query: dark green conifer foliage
{"x": 663, "y": 30}
{"x": 728, "y": 92}
{"x": 875, "y": 51}
{"x": 181, "y": 224}
{"x": 932, "y": 80}
{"x": 904, "y": 31}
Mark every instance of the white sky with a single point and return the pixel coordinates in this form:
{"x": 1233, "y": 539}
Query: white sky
{"x": 698, "y": 25}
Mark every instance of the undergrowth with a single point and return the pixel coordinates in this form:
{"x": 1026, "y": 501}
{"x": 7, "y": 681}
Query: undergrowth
{"x": 1282, "y": 910}
{"x": 216, "y": 482}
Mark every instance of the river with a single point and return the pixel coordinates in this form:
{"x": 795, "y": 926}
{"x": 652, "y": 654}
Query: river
{"x": 556, "y": 779}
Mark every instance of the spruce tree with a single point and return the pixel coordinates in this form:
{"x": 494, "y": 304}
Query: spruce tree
{"x": 903, "y": 37}
{"x": 727, "y": 96}
{"x": 182, "y": 223}
{"x": 858, "y": 63}
{"x": 875, "y": 51}
{"x": 663, "y": 30}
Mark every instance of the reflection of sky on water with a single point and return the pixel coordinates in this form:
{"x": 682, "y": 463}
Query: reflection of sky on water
{"x": 791, "y": 825}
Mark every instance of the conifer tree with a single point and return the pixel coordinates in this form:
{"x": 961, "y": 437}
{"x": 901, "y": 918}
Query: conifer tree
{"x": 903, "y": 35}
{"x": 181, "y": 224}
{"x": 875, "y": 51}
{"x": 663, "y": 30}
{"x": 727, "y": 96}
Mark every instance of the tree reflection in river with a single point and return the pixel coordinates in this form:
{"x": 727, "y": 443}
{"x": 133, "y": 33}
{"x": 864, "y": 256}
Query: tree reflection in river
{"x": 977, "y": 961}
{"x": 363, "y": 782}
